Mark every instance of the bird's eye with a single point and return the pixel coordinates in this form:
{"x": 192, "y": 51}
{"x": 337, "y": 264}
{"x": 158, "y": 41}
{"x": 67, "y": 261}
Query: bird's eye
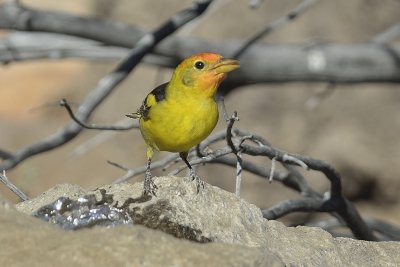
{"x": 199, "y": 65}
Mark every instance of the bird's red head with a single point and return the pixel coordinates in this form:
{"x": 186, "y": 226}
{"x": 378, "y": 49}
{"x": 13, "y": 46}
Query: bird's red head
{"x": 204, "y": 72}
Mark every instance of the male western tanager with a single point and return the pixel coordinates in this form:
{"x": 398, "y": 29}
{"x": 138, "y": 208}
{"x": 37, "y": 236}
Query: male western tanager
{"x": 178, "y": 115}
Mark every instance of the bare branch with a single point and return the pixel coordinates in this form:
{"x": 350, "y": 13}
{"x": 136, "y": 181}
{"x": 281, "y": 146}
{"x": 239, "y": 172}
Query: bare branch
{"x": 255, "y": 3}
{"x": 12, "y": 187}
{"x": 295, "y": 180}
{"x": 239, "y": 169}
{"x": 130, "y": 173}
{"x": 262, "y": 63}
{"x": 293, "y": 160}
{"x": 314, "y": 164}
{"x": 282, "y": 21}
{"x": 353, "y": 220}
{"x": 238, "y": 154}
{"x": 333, "y": 202}
{"x": 229, "y": 136}
{"x": 336, "y": 202}
{"x": 22, "y": 18}
{"x": 22, "y": 46}
{"x": 208, "y": 158}
{"x": 315, "y": 100}
{"x": 221, "y": 104}
{"x": 92, "y": 126}
{"x": 253, "y": 168}
{"x": 107, "y": 84}
{"x": 5, "y": 154}
{"x": 388, "y": 231}
{"x": 388, "y": 35}
{"x": 99, "y": 138}
{"x": 271, "y": 174}
{"x": 293, "y": 205}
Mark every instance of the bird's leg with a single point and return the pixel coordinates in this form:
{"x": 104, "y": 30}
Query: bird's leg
{"x": 193, "y": 175}
{"x": 149, "y": 186}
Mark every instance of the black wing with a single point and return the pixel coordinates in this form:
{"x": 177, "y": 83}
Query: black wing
{"x": 159, "y": 95}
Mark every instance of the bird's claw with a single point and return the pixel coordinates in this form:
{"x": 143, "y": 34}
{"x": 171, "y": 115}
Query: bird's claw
{"x": 200, "y": 183}
{"x": 149, "y": 187}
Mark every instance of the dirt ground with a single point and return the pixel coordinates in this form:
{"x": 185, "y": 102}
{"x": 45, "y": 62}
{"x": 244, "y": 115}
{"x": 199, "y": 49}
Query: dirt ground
{"x": 355, "y": 128}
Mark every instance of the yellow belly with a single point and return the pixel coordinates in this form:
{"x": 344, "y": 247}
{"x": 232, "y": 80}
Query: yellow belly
{"x": 177, "y": 127}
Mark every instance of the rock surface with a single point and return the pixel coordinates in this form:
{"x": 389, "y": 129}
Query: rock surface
{"x": 241, "y": 236}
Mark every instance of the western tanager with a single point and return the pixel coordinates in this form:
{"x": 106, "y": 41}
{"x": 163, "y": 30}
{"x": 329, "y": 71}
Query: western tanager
{"x": 178, "y": 115}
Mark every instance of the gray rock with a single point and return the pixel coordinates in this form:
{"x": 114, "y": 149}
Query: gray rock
{"x": 27, "y": 241}
{"x": 241, "y": 236}
{"x": 67, "y": 190}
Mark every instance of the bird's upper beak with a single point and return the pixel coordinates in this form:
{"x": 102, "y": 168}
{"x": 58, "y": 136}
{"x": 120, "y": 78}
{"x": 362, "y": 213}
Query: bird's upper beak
{"x": 226, "y": 65}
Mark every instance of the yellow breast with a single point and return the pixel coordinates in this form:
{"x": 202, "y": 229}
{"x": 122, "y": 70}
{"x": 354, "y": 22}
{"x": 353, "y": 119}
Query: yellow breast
{"x": 177, "y": 126}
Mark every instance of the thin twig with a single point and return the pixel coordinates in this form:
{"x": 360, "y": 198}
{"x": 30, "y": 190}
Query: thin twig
{"x": 315, "y": 100}
{"x": 239, "y": 168}
{"x": 255, "y": 3}
{"x": 388, "y": 231}
{"x": 280, "y": 22}
{"x": 222, "y": 107}
{"x": 64, "y": 103}
{"x": 273, "y": 165}
{"x": 253, "y": 168}
{"x": 99, "y": 138}
{"x": 237, "y": 152}
{"x": 229, "y": 136}
{"x": 130, "y": 173}
{"x": 296, "y": 181}
{"x": 5, "y": 154}
{"x": 118, "y": 165}
{"x": 210, "y": 157}
{"x": 388, "y": 35}
{"x": 293, "y": 160}
{"x": 12, "y": 187}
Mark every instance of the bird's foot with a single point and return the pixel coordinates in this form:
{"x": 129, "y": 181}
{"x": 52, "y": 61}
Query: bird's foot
{"x": 200, "y": 183}
{"x": 149, "y": 186}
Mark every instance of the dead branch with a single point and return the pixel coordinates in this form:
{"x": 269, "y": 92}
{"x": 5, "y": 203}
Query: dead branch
{"x": 278, "y": 23}
{"x": 106, "y": 85}
{"x": 19, "y": 17}
{"x": 261, "y": 63}
{"x": 130, "y": 173}
{"x": 388, "y": 35}
{"x": 387, "y": 231}
{"x": 92, "y": 126}
{"x": 238, "y": 153}
{"x": 333, "y": 202}
{"x": 4, "y": 179}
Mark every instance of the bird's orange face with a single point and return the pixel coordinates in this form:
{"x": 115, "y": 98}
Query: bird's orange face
{"x": 204, "y": 71}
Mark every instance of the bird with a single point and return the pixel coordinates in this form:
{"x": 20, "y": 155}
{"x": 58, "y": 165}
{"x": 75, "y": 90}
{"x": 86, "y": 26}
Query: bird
{"x": 181, "y": 113}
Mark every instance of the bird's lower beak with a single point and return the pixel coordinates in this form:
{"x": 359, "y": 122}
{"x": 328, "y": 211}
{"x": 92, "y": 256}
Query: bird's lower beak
{"x": 226, "y": 65}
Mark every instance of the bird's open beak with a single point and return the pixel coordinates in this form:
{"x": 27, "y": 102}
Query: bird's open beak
{"x": 226, "y": 65}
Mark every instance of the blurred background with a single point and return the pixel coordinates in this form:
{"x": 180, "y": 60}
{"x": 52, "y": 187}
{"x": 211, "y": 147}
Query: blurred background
{"x": 355, "y": 127}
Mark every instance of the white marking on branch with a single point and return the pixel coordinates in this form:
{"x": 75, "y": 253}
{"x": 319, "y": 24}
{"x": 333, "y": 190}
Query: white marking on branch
{"x": 272, "y": 171}
{"x": 316, "y": 61}
{"x": 291, "y": 159}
